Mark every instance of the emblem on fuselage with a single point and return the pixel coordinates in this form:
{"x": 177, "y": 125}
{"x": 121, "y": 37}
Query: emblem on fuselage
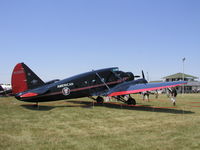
{"x": 66, "y": 91}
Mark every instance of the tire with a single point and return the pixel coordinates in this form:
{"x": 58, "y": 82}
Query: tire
{"x": 99, "y": 99}
{"x": 131, "y": 101}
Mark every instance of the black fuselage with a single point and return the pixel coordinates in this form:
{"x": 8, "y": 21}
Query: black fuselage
{"x": 88, "y": 84}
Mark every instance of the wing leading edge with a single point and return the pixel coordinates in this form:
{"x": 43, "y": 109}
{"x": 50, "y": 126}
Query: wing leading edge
{"x": 129, "y": 88}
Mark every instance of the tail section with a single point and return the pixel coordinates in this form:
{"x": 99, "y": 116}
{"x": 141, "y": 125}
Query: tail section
{"x": 23, "y": 78}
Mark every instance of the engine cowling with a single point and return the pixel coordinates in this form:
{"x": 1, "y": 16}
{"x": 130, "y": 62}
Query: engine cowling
{"x": 130, "y": 75}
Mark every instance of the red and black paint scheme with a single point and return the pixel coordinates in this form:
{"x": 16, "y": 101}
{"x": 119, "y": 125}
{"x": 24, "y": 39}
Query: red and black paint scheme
{"x": 27, "y": 86}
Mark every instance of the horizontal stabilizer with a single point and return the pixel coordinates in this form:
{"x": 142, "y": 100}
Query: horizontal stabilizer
{"x": 28, "y": 95}
{"x": 33, "y": 93}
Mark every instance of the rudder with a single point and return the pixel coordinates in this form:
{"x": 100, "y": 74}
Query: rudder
{"x": 23, "y": 78}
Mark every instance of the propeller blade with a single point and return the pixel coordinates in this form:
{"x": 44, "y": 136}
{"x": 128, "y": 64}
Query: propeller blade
{"x": 143, "y": 74}
{"x": 137, "y": 76}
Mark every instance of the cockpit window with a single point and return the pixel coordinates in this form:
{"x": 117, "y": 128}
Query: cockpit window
{"x": 118, "y": 73}
{"x": 115, "y": 69}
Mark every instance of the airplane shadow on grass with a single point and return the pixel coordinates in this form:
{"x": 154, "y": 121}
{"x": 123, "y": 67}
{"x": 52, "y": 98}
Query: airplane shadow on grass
{"x": 91, "y": 105}
{"x": 37, "y": 108}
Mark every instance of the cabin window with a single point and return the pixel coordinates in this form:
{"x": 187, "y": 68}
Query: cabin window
{"x": 111, "y": 78}
{"x": 115, "y": 69}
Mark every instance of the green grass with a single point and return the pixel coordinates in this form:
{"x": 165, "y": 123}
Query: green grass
{"x": 78, "y": 125}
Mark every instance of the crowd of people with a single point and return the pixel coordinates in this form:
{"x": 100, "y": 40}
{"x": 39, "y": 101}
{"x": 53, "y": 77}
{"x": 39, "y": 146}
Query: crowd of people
{"x": 171, "y": 93}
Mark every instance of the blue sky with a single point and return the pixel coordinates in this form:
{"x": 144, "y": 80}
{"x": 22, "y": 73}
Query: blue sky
{"x": 61, "y": 38}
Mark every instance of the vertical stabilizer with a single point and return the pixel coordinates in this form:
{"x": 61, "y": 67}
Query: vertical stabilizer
{"x": 23, "y": 78}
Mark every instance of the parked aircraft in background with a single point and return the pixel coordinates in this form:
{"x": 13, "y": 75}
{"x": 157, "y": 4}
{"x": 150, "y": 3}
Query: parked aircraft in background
{"x": 5, "y": 90}
{"x": 96, "y": 84}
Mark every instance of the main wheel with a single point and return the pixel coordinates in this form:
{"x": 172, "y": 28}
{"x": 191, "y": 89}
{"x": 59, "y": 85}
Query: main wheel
{"x": 99, "y": 99}
{"x": 131, "y": 101}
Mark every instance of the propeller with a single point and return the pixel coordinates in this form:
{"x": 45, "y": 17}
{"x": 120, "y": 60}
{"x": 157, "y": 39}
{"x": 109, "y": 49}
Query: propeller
{"x": 143, "y": 74}
{"x": 132, "y": 76}
{"x": 136, "y": 76}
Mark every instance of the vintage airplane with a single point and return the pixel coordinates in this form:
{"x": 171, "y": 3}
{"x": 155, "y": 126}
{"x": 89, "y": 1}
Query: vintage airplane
{"x": 5, "y": 90}
{"x": 111, "y": 82}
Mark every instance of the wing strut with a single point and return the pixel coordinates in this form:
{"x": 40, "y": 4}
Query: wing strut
{"x": 101, "y": 79}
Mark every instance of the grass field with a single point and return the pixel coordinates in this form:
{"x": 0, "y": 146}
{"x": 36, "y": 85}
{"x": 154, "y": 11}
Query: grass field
{"x": 83, "y": 125}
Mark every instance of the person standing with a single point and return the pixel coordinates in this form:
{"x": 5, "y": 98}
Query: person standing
{"x": 156, "y": 94}
{"x": 173, "y": 96}
{"x": 146, "y": 95}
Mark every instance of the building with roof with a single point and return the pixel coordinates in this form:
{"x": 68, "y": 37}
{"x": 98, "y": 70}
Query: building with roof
{"x": 192, "y": 86}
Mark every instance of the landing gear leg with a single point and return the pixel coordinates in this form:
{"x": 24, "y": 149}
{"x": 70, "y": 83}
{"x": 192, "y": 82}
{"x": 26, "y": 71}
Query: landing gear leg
{"x": 37, "y": 105}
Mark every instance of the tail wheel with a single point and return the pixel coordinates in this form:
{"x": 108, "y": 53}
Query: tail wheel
{"x": 99, "y": 99}
{"x": 131, "y": 101}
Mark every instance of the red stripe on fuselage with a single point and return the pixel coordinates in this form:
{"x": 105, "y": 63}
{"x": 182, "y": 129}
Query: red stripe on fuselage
{"x": 98, "y": 85}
